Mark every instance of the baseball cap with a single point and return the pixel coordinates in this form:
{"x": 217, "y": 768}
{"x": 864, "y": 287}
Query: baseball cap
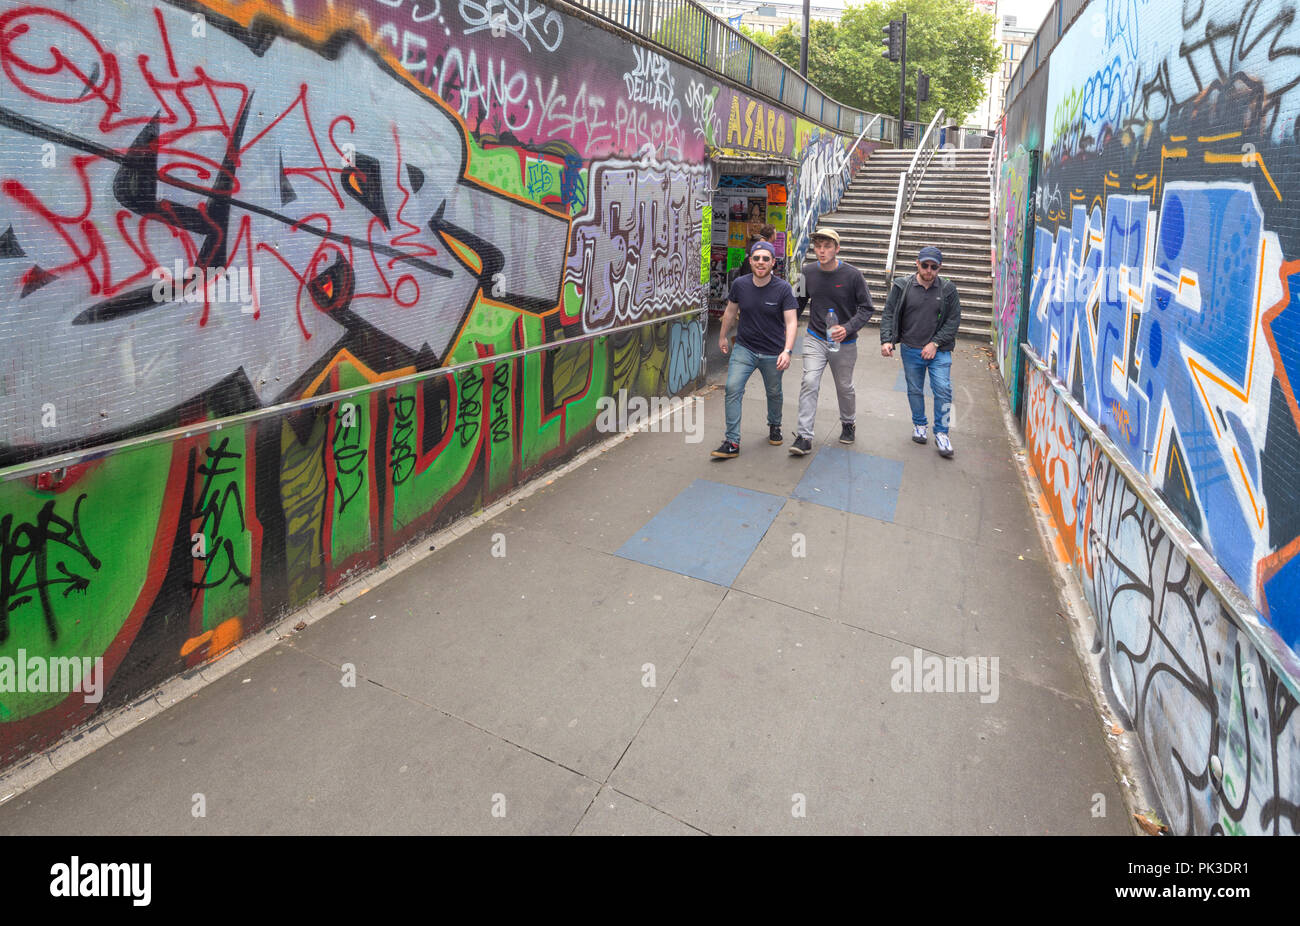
{"x": 930, "y": 252}
{"x": 827, "y": 233}
{"x": 763, "y": 246}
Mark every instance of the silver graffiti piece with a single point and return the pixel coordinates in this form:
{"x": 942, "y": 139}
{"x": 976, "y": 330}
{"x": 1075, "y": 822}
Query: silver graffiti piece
{"x": 635, "y": 250}
{"x": 206, "y": 152}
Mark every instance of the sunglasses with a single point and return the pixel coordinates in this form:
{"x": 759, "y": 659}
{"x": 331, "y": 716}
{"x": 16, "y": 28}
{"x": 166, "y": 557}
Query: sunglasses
{"x": 759, "y": 257}
{"x": 929, "y": 265}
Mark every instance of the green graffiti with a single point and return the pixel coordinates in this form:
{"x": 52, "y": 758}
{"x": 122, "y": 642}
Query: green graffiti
{"x": 497, "y": 167}
{"x": 707, "y": 245}
{"x": 418, "y": 484}
{"x": 350, "y": 515}
{"x": 302, "y": 495}
{"x": 76, "y": 562}
{"x": 223, "y": 573}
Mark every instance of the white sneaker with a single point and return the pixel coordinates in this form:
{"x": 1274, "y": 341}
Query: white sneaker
{"x": 942, "y": 444}
{"x": 918, "y": 433}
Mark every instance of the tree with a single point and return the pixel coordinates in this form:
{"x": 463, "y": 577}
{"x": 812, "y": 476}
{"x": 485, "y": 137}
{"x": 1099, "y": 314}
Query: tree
{"x": 948, "y": 39}
{"x": 683, "y": 31}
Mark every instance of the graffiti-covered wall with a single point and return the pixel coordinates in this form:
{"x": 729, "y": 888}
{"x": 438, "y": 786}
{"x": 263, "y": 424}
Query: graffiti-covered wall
{"x": 1013, "y": 227}
{"x": 1218, "y": 726}
{"x": 1165, "y": 253}
{"x": 213, "y": 209}
{"x": 1164, "y": 266}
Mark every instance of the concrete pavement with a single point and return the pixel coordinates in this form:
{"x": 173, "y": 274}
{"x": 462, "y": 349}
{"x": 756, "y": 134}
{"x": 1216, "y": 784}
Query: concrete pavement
{"x": 564, "y": 668}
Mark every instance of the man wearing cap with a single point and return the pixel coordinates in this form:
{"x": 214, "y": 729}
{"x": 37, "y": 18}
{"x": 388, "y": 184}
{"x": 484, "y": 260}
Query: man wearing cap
{"x": 832, "y": 286}
{"x": 764, "y": 339}
{"x": 765, "y": 233}
{"x": 921, "y": 317}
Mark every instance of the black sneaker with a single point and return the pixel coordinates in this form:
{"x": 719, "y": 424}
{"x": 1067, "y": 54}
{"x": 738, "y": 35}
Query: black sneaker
{"x": 847, "y": 433}
{"x": 801, "y": 446}
{"x": 774, "y": 436}
{"x": 728, "y": 450}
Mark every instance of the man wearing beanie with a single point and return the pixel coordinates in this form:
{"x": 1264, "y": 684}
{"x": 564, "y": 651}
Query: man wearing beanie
{"x": 921, "y": 316}
{"x": 764, "y": 338}
{"x": 833, "y": 286}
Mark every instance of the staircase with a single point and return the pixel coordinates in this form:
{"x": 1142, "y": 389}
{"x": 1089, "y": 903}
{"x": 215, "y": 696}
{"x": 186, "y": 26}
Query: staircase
{"x": 950, "y": 211}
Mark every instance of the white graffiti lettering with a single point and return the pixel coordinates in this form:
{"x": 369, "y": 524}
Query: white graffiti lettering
{"x": 650, "y": 82}
{"x": 519, "y": 18}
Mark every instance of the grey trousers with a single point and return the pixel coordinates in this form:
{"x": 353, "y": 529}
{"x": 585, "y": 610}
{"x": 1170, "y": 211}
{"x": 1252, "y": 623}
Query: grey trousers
{"x": 815, "y": 360}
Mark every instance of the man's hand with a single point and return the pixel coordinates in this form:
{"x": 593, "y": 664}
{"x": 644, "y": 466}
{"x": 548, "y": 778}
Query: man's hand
{"x": 723, "y": 344}
{"x": 783, "y": 360}
{"x": 837, "y": 333}
{"x": 886, "y": 350}
{"x": 928, "y": 352}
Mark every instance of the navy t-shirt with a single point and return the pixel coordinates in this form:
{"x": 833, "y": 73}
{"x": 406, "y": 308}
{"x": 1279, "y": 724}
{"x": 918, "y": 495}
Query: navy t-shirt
{"x": 762, "y": 312}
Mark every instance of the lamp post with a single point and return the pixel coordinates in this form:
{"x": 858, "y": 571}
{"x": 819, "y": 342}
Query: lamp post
{"x": 803, "y": 45}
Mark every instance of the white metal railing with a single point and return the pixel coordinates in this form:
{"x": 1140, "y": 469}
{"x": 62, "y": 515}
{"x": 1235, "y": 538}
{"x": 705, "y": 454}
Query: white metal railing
{"x": 894, "y": 231}
{"x": 994, "y": 171}
{"x": 908, "y": 183}
{"x": 863, "y": 134}
{"x": 686, "y": 28}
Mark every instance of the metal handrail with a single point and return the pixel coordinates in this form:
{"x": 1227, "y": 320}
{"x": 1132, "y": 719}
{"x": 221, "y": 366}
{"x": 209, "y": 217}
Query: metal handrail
{"x": 894, "y": 231}
{"x": 1238, "y": 607}
{"x": 863, "y": 134}
{"x": 994, "y": 172}
{"x": 687, "y": 29}
{"x": 86, "y": 454}
{"x": 920, "y": 145}
{"x": 915, "y": 174}
{"x": 908, "y": 182}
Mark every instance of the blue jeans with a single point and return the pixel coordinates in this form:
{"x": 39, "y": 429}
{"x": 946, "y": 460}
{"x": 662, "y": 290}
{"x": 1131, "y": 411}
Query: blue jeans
{"x": 741, "y": 367}
{"x": 914, "y": 367}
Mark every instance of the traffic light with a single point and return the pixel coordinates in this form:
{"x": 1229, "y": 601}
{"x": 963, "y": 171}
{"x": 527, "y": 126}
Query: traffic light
{"x": 922, "y": 87}
{"x": 893, "y": 40}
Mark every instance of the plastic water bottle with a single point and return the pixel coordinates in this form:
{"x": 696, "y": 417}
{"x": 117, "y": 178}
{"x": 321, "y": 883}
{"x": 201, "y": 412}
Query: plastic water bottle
{"x": 831, "y": 344}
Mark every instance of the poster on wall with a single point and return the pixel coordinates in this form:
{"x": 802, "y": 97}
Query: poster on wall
{"x": 718, "y": 230}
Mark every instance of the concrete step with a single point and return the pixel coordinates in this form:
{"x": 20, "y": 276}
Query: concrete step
{"x": 864, "y": 200}
{"x": 958, "y": 196}
{"x": 976, "y": 330}
{"x": 873, "y": 254}
{"x": 915, "y": 228}
{"x": 948, "y": 212}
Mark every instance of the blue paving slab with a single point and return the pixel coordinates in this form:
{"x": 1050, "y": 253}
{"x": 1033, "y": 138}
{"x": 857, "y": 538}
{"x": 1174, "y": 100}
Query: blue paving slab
{"x": 900, "y": 384}
{"x": 707, "y": 532}
{"x": 850, "y": 481}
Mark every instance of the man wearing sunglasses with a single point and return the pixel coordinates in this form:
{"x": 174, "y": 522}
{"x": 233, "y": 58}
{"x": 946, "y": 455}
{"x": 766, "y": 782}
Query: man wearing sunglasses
{"x": 921, "y": 317}
{"x": 764, "y": 338}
